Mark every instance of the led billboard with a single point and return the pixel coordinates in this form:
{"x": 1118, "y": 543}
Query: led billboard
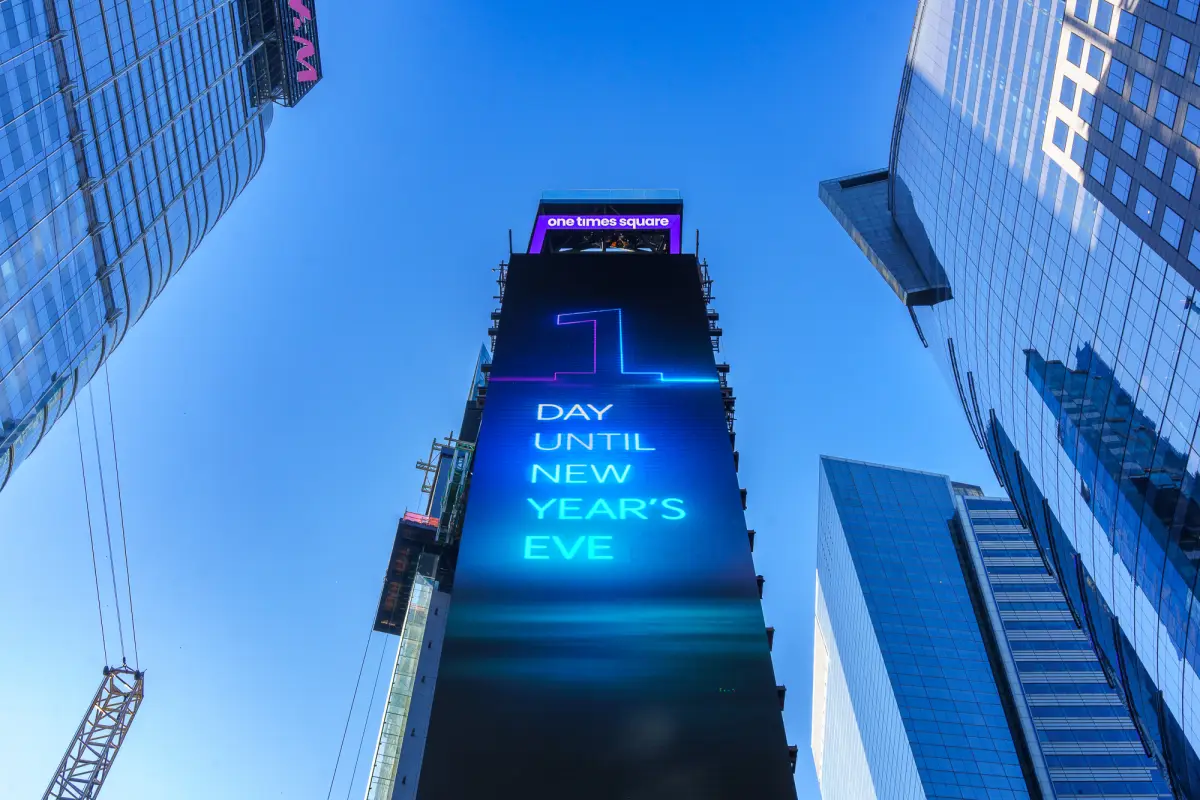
{"x": 671, "y": 224}
{"x": 606, "y": 638}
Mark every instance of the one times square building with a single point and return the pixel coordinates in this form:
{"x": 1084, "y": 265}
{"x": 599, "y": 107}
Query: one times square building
{"x": 576, "y": 608}
{"x": 127, "y": 128}
{"x": 1038, "y": 217}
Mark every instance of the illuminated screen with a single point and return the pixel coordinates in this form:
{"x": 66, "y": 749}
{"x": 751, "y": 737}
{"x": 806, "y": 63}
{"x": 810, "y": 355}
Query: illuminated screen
{"x": 671, "y": 223}
{"x": 605, "y": 636}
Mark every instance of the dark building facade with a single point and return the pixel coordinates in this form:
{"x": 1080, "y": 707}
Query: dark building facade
{"x": 577, "y": 609}
{"x": 127, "y": 129}
{"x": 948, "y": 662}
{"x": 1037, "y": 219}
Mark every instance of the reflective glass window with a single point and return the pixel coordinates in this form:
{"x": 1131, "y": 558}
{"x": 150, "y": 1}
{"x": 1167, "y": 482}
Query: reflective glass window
{"x": 1060, "y": 134}
{"x": 1187, "y": 9}
{"x": 1167, "y": 107}
{"x": 1121, "y": 184}
{"x": 1087, "y": 106}
{"x": 1172, "y": 227}
{"x": 1156, "y": 156}
{"x": 1116, "y": 76}
{"x": 1125, "y": 28}
{"x": 1078, "y": 149}
{"x": 1139, "y": 95}
{"x": 1083, "y": 9}
{"x": 1131, "y": 138}
{"x": 1151, "y": 39}
{"x": 1145, "y": 205}
{"x": 1191, "y": 124}
{"x": 1095, "y": 61}
{"x": 1066, "y": 94}
{"x": 1104, "y": 16}
{"x": 1178, "y": 51}
{"x": 1194, "y": 252}
{"x": 1108, "y": 121}
{"x": 1099, "y": 169}
{"x": 1183, "y": 177}
{"x": 1075, "y": 49}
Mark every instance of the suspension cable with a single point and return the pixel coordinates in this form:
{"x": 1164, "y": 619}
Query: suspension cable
{"x": 112, "y": 565}
{"x": 121, "y": 507}
{"x": 349, "y": 714}
{"x": 367, "y": 719}
{"x": 91, "y": 536}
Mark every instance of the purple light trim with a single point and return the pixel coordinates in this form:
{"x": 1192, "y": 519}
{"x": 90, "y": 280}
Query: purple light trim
{"x": 543, "y": 225}
{"x": 620, "y": 352}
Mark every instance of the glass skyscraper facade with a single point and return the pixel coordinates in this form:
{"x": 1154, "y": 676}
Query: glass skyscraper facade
{"x": 126, "y": 130}
{"x": 948, "y": 663}
{"x": 1038, "y": 220}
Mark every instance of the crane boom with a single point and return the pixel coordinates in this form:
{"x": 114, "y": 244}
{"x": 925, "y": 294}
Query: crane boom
{"x": 90, "y": 756}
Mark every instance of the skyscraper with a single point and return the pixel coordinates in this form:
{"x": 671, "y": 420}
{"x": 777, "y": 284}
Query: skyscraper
{"x": 577, "y": 610}
{"x": 1037, "y": 219}
{"x": 947, "y": 661}
{"x": 126, "y": 130}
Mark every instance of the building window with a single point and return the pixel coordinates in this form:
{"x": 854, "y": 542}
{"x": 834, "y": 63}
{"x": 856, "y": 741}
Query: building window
{"x": 1099, "y": 166}
{"x": 1139, "y": 95}
{"x": 1194, "y": 253}
{"x": 1104, "y": 16}
{"x": 1087, "y": 106}
{"x": 1144, "y": 207}
{"x": 1095, "y": 62}
{"x": 1191, "y": 124}
{"x": 1083, "y": 9}
{"x": 1060, "y": 134}
{"x": 1108, "y": 121}
{"x": 1167, "y": 107}
{"x": 1116, "y": 76}
{"x": 1183, "y": 178}
{"x": 1177, "y": 55}
{"x": 1125, "y": 28}
{"x": 1151, "y": 39}
{"x": 1131, "y": 138}
{"x": 1078, "y": 149}
{"x": 1066, "y": 95}
{"x": 1121, "y": 183}
{"x": 1187, "y": 9}
{"x": 1156, "y": 156}
{"x": 1172, "y": 227}
{"x": 1075, "y": 49}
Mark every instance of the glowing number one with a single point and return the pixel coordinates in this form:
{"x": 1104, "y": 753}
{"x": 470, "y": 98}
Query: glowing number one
{"x": 608, "y": 356}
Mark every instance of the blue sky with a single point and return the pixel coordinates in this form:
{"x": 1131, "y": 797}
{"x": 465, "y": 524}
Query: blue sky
{"x": 272, "y": 403}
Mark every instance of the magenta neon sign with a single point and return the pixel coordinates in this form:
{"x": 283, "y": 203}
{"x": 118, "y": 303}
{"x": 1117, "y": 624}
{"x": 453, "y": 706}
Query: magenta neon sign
{"x": 305, "y": 51}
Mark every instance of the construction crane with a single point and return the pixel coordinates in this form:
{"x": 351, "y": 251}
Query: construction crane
{"x": 90, "y": 755}
{"x": 98, "y": 739}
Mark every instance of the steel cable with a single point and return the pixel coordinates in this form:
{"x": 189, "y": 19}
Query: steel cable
{"x": 112, "y": 426}
{"x": 349, "y": 714}
{"x": 91, "y": 537}
{"x": 366, "y": 720}
{"x": 112, "y": 565}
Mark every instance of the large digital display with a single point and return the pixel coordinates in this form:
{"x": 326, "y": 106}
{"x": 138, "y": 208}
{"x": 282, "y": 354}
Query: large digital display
{"x": 671, "y": 223}
{"x": 605, "y": 637}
